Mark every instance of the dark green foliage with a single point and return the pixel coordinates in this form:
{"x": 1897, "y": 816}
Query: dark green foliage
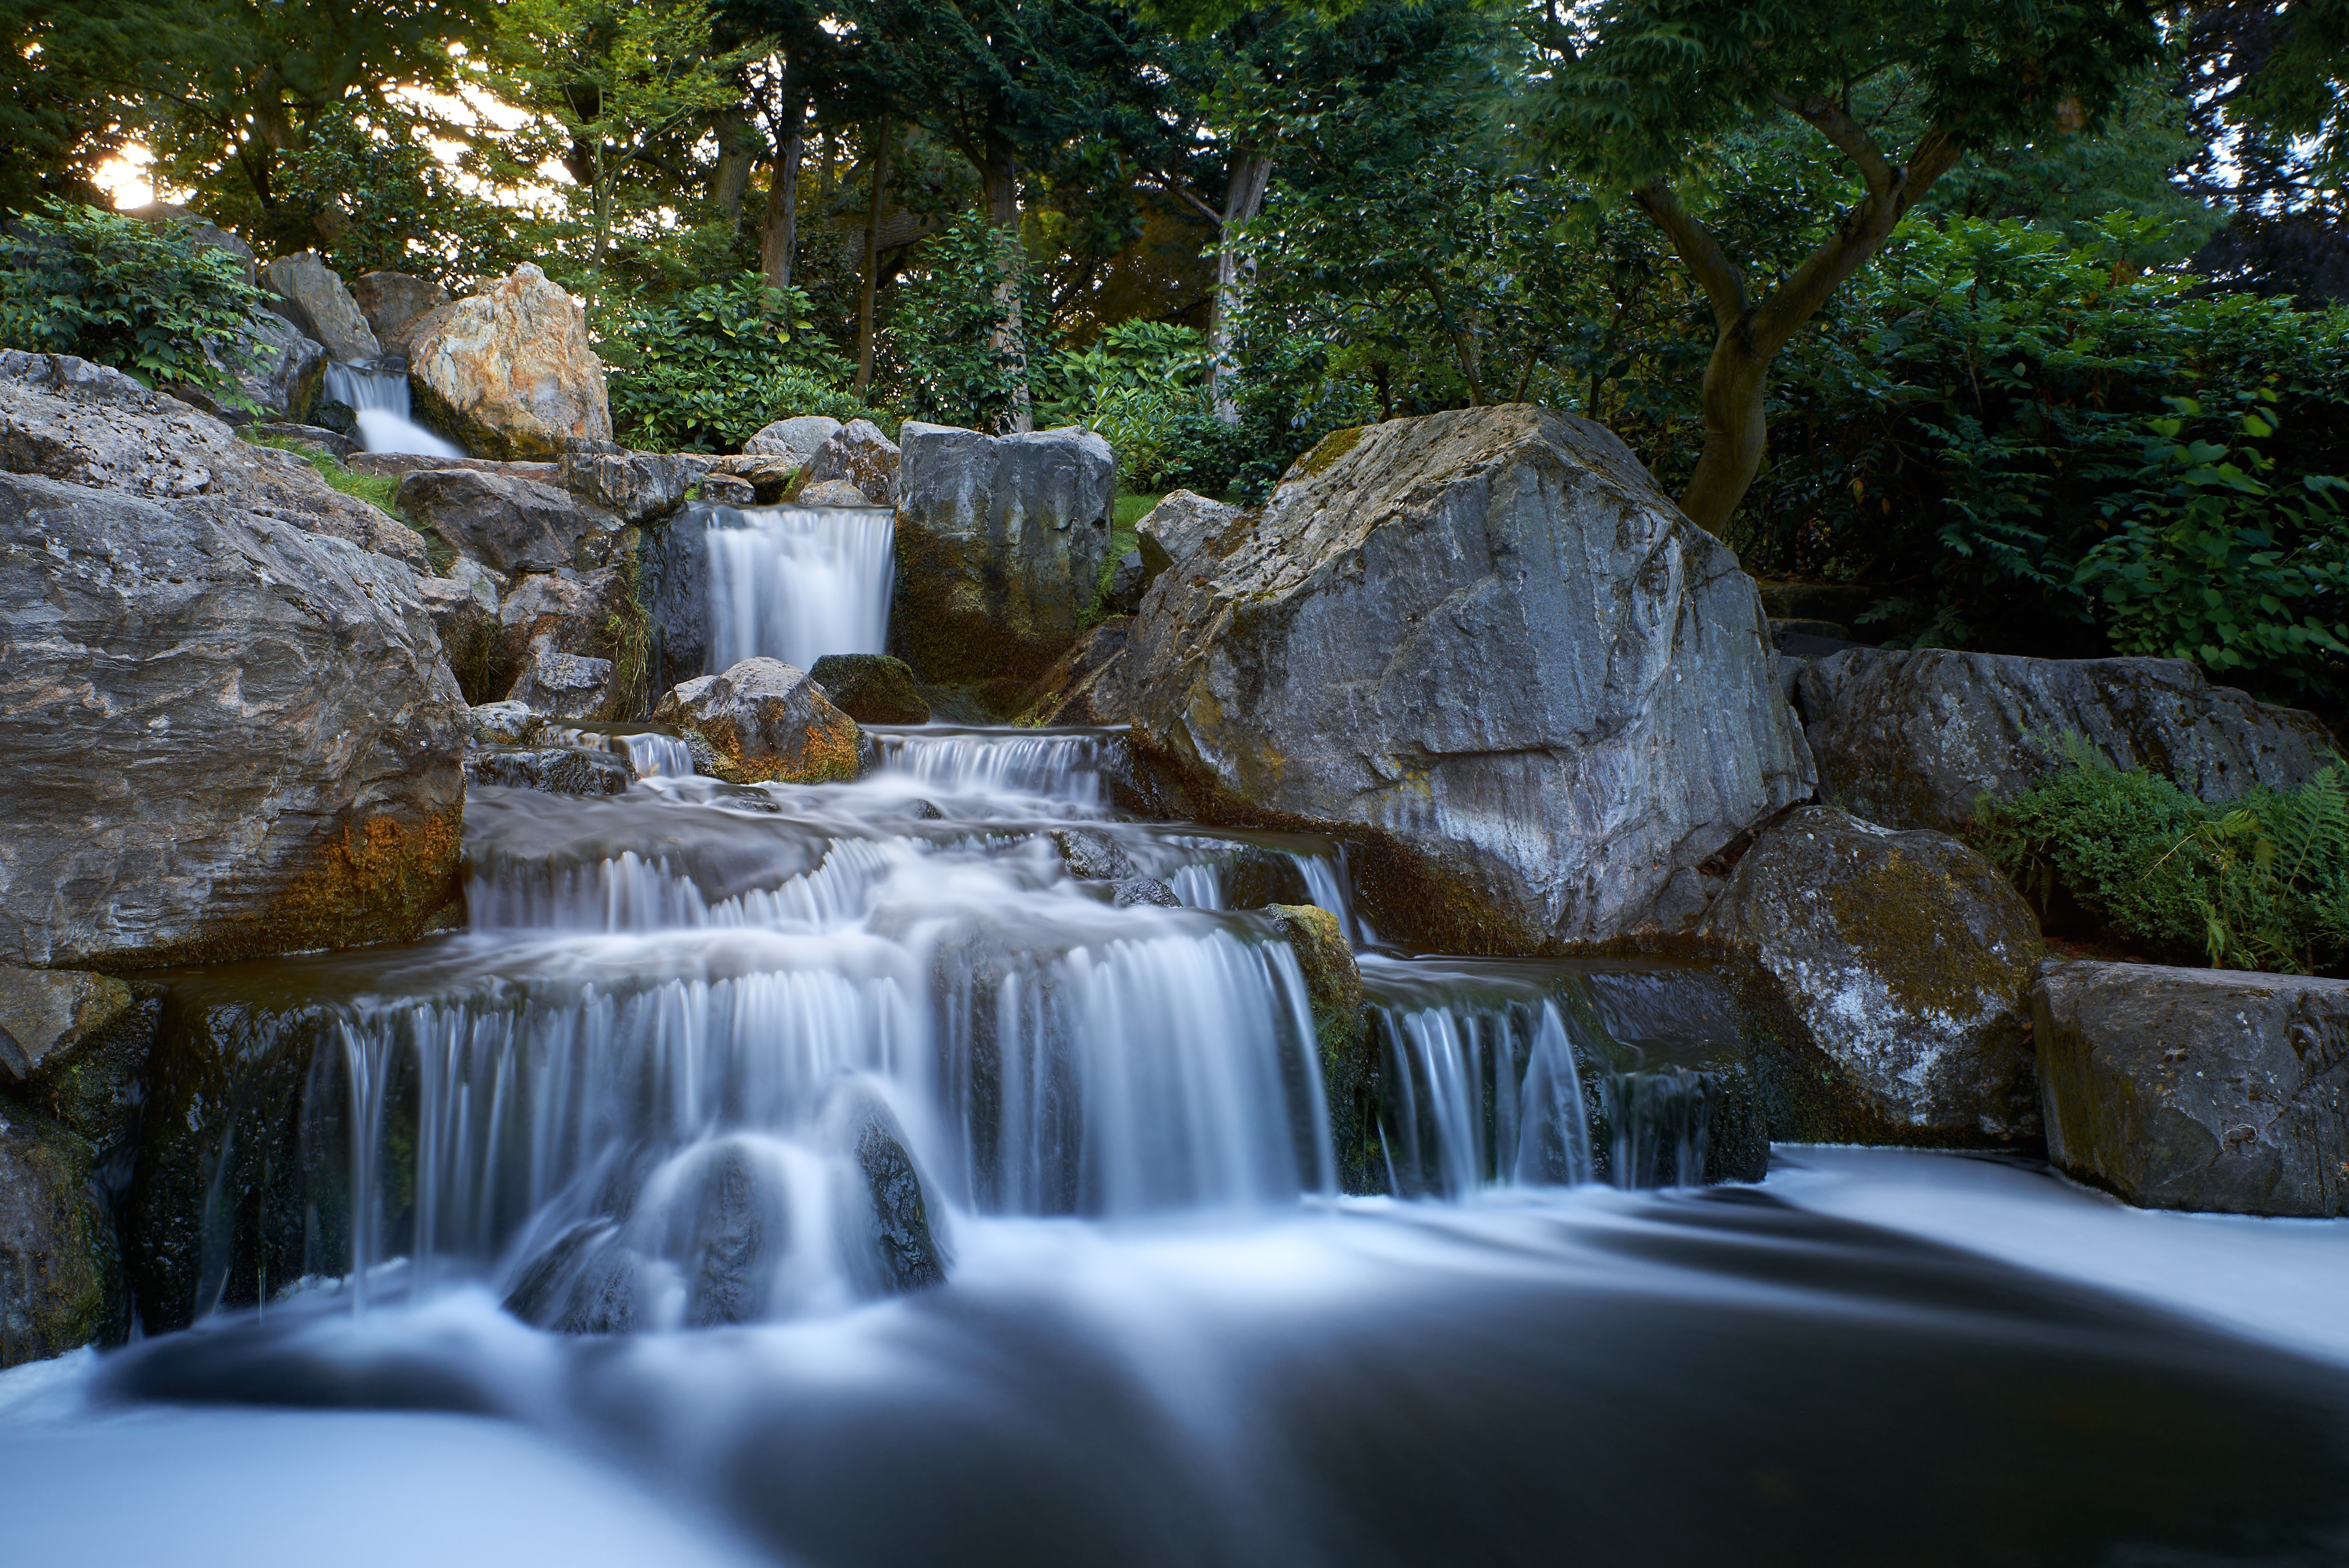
{"x": 940, "y": 361}
{"x": 705, "y": 369}
{"x": 144, "y": 298}
{"x": 2258, "y": 882}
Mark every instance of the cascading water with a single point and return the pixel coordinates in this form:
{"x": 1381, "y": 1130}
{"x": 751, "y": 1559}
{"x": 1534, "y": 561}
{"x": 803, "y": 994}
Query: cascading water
{"x": 796, "y": 583}
{"x": 377, "y": 396}
{"x": 947, "y": 1167}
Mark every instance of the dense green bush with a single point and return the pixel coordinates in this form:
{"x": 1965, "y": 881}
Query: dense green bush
{"x": 938, "y": 359}
{"x": 2260, "y": 882}
{"x": 144, "y": 298}
{"x": 705, "y": 369}
{"x": 1143, "y": 385}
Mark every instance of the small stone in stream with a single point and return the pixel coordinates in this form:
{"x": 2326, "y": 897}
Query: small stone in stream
{"x": 1129, "y": 891}
{"x": 909, "y": 1253}
{"x": 553, "y": 770}
{"x": 1095, "y": 857}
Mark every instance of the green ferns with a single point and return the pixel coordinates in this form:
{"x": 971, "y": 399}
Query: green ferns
{"x": 2260, "y": 882}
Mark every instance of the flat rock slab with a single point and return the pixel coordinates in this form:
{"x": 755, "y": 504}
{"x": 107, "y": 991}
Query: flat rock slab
{"x": 1913, "y": 739}
{"x": 397, "y": 465}
{"x": 2211, "y": 1090}
{"x": 507, "y": 524}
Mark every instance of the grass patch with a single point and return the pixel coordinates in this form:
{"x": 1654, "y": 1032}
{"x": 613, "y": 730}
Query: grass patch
{"x": 379, "y": 490}
{"x": 1130, "y": 509}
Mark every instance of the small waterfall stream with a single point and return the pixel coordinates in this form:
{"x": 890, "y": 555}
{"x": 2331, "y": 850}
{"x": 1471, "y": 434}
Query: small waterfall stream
{"x": 383, "y": 418}
{"x": 796, "y": 583}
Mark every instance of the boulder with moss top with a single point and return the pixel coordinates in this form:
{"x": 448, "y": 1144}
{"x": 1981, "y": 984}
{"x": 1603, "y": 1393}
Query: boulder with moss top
{"x": 1483, "y": 645}
{"x": 872, "y": 688}
{"x": 1909, "y": 958}
{"x": 764, "y": 722}
{"x": 1000, "y": 544}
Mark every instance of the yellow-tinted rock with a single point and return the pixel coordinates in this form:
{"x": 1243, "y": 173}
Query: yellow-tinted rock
{"x": 765, "y": 721}
{"x": 510, "y": 373}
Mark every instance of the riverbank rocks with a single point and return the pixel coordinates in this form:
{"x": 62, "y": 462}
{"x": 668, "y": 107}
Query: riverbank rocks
{"x": 2198, "y": 1089}
{"x": 92, "y": 427}
{"x": 766, "y": 722}
{"x": 312, "y": 297}
{"x": 225, "y": 734}
{"x": 872, "y": 688}
{"x": 61, "y": 1277}
{"x": 1914, "y": 738}
{"x": 510, "y": 373}
{"x": 859, "y": 453}
{"x": 626, "y": 489}
{"x": 1000, "y": 544}
{"x": 1087, "y": 684}
{"x": 393, "y": 303}
{"x": 507, "y": 524}
{"x": 1483, "y": 644}
{"x": 1908, "y": 957}
{"x": 793, "y": 440}
{"x": 287, "y": 371}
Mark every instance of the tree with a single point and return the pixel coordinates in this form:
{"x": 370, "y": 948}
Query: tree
{"x": 1644, "y": 90}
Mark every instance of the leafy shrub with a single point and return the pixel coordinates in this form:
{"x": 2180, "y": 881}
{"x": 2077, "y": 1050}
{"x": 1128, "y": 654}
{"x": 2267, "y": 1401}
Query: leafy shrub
{"x": 938, "y": 356}
{"x": 144, "y": 298}
{"x": 2260, "y": 882}
{"x": 1143, "y": 385}
{"x": 707, "y": 369}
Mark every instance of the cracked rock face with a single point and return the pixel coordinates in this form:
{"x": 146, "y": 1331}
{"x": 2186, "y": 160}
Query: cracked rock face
{"x": 510, "y": 373}
{"x": 1908, "y": 957}
{"x": 1483, "y": 641}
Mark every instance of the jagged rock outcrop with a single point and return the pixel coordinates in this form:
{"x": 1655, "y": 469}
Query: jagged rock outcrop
{"x": 507, "y": 524}
{"x": 287, "y": 370}
{"x": 88, "y": 426}
{"x": 573, "y": 612}
{"x": 859, "y": 453}
{"x": 312, "y": 297}
{"x": 227, "y": 734}
{"x": 1485, "y": 645}
{"x": 793, "y": 440}
{"x": 1087, "y": 684}
{"x": 561, "y": 685}
{"x": 872, "y": 688}
{"x": 510, "y": 373}
{"x": 1000, "y": 544}
{"x": 1914, "y": 738}
{"x": 766, "y": 722}
{"x": 626, "y": 489}
{"x": 1908, "y": 957}
{"x": 393, "y": 303}
{"x": 2198, "y": 1089}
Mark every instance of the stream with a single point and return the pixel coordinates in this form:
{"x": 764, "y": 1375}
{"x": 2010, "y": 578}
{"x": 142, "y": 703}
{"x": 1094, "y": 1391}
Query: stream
{"x": 937, "y": 1169}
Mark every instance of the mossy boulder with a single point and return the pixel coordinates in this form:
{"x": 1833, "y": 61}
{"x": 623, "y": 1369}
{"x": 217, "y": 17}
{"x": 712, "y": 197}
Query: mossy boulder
{"x": 1908, "y": 957}
{"x": 1342, "y": 1035}
{"x": 61, "y": 1283}
{"x": 73, "y": 1045}
{"x": 872, "y": 688}
{"x": 764, "y": 722}
{"x": 1087, "y": 684}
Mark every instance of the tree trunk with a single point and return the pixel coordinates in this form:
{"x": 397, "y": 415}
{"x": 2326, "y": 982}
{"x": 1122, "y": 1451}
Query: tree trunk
{"x": 731, "y": 178}
{"x": 1248, "y": 176}
{"x": 778, "y": 231}
{"x": 999, "y": 178}
{"x": 872, "y": 259}
{"x": 1736, "y": 433}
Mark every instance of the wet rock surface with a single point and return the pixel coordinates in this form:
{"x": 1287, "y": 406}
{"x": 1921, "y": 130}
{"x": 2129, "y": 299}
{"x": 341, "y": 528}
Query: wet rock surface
{"x": 1000, "y": 545}
{"x": 227, "y": 734}
{"x": 766, "y": 721}
{"x": 86, "y": 425}
{"x": 1484, "y": 642}
{"x": 908, "y": 1253}
{"x": 1087, "y": 684}
{"x": 872, "y": 688}
{"x": 61, "y": 1279}
{"x": 553, "y": 770}
{"x": 510, "y": 373}
{"x": 1914, "y": 738}
{"x": 2210, "y": 1089}
{"x": 1909, "y": 958}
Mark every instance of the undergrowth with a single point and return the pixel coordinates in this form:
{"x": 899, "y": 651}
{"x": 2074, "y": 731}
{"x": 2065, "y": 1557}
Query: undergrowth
{"x": 2260, "y": 882}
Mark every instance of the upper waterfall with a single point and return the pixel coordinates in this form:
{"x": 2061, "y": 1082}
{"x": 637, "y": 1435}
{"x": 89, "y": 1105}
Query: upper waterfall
{"x": 377, "y": 396}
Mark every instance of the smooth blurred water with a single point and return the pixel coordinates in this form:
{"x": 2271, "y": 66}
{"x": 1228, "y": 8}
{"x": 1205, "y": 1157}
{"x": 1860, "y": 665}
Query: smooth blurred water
{"x": 796, "y": 583}
{"x": 381, "y": 412}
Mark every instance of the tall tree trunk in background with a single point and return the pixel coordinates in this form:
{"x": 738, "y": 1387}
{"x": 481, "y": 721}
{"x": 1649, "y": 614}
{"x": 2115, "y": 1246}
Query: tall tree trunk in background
{"x": 778, "y": 231}
{"x": 872, "y": 259}
{"x": 1248, "y": 178}
{"x": 999, "y": 178}
{"x": 731, "y": 178}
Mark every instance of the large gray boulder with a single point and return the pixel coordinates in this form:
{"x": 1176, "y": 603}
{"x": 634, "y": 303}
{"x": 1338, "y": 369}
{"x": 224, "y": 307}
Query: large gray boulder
{"x": 794, "y": 440}
{"x": 626, "y": 489}
{"x": 1483, "y": 644}
{"x": 312, "y": 297}
{"x": 287, "y": 371}
{"x": 1000, "y": 544}
{"x": 225, "y": 735}
{"x": 561, "y": 685}
{"x": 393, "y": 303}
{"x": 860, "y": 454}
{"x": 1179, "y": 526}
{"x": 1914, "y": 738}
{"x": 766, "y": 721}
{"x": 506, "y": 525}
{"x": 1909, "y": 958}
{"x": 2198, "y": 1089}
{"x": 572, "y": 612}
{"x": 87, "y": 425}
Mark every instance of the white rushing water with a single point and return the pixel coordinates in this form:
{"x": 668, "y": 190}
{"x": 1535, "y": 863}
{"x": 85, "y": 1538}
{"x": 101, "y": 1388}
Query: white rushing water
{"x": 796, "y": 583}
{"x": 383, "y": 418}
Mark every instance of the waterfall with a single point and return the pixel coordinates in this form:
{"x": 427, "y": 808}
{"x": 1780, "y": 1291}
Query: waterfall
{"x": 796, "y": 583}
{"x": 377, "y": 396}
{"x": 1065, "y": 767}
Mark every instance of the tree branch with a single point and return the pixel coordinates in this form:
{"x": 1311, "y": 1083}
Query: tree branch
{"x": 1724, "y": 284}
{"x": 1859, "y": 236}
{"x": 1847, "y": 136}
